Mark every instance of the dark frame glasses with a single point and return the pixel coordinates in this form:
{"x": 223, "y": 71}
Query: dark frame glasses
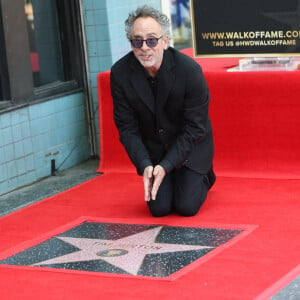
{"x": 150, "y": 42}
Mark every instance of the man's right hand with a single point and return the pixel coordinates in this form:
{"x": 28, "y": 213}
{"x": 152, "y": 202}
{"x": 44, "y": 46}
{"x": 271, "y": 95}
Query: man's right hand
{"x": 148, "y": 182}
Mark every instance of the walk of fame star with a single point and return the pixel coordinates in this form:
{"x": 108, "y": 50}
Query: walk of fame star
{"x": 134, "y": 249}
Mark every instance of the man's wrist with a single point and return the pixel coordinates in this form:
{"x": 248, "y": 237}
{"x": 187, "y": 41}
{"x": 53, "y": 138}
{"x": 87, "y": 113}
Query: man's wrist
{"x": 166, "y": 165}
{"x": 144, "y": 164}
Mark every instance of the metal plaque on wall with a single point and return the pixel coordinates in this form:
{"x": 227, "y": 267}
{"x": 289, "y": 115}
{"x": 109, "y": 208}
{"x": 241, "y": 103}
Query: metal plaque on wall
{"x": 246, "y": 28}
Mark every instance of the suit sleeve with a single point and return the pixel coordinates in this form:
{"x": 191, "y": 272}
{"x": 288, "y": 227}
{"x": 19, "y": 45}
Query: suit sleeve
{"x": 126, "y": 121}
{"x": 195, "y": 120}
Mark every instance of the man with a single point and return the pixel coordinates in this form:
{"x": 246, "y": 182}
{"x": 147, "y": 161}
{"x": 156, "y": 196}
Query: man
{"x": 161, "y": 111}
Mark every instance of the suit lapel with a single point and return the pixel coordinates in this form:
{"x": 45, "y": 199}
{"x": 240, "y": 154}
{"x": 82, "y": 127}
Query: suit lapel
{"x": 166, "y": 78}
{"x": 141, "y": 85}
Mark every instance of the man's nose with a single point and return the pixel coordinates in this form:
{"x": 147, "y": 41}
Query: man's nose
{"x": 145, "y": 46}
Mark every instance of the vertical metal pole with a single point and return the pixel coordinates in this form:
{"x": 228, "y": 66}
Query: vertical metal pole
{"x": 87, "y": 90}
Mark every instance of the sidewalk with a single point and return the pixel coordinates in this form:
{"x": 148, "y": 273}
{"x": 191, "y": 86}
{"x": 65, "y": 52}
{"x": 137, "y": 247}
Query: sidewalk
{"x": 48, "y": 187}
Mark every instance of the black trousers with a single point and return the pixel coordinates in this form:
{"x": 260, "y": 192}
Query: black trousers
{"x": 182, "y": 191}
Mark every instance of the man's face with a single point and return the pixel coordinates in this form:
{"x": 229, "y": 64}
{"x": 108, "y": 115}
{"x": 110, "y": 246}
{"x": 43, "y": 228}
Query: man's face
{"x": 149, "y": 57}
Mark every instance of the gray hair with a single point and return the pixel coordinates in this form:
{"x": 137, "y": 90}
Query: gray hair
{"x": 144, "y": 12}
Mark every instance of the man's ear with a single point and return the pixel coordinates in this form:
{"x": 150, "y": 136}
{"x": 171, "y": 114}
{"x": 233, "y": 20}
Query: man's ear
{"x": 166, "y": 40}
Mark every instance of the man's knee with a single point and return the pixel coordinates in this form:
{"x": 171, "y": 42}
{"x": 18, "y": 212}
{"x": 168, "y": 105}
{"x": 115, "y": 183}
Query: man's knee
{"x": 191, "y": 207}
{"x": 159, "y": 210}
{"x": 187, "y": 210}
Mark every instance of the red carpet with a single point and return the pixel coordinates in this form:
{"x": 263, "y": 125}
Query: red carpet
{"x": 257, "y": 161}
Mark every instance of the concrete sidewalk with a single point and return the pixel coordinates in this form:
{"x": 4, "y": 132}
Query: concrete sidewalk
{"x": 48, "y": 186}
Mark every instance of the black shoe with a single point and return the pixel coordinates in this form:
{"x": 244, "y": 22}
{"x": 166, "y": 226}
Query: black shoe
{"x": 211, "y": 178}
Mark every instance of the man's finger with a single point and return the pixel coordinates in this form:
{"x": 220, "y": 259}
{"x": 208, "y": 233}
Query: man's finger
{"x": 148, "y": 181}
{"x": 159, "y": 174}
{"x": 147, "y": 188}
{"x": 156, "y": 184}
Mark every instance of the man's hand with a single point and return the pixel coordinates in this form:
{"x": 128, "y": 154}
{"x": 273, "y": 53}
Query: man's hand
{"x": 152, "y": 178}
{"x": 158, "y": 174}
{"x": 148, "y": 181}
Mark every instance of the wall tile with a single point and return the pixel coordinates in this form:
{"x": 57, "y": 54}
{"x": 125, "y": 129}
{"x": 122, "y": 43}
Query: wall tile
{"x": 8, "y": 153}
{"x": 1, "y": 138}
{"x": 90, "y": 32}
{"x": 99, "y": 4}
{"x": 29, "y": 163}
{"x": 7, "y": 135}
{"x": 89, "y": 4}
{"x": 17, "y": 132}
{"x": 25, "y": 130}
{"x": 102, "y": 33}
{"x": 21, "y": 166}
{"x": 5, "y": 120}
{"x": 104, "y": 47}
{"x": 19, "y": 149}
{"x": 11, "y": 169}
{"x": 3, "y": 173}
{"x": 100, "y": 17}
{"x": 93, "y": 63}
{"x": 4, "y": 186}
{"x": 89, "y": 17}
{"x": 27, "y": 145}
{"x": 92, "y": 48}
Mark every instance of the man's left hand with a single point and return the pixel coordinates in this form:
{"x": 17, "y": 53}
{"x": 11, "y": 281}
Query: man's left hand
{"x": 158, "y": 174}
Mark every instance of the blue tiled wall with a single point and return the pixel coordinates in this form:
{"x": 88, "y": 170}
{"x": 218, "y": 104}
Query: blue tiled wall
{"x": 31, "y": 137}
{"x": 57, "y": 129}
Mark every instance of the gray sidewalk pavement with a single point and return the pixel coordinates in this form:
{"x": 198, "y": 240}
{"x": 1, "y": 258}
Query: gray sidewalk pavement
{"x": 48, "y": 186}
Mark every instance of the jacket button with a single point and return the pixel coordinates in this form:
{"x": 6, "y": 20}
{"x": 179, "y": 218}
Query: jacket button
{"x": 160, "y": 130}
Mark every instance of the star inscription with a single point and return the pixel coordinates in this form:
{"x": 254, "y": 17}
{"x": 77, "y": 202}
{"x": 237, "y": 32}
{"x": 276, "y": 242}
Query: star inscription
{"x": 126, "y": 253}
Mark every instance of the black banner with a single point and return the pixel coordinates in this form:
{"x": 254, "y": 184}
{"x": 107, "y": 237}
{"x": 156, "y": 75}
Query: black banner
{"x": 246, "y": 28}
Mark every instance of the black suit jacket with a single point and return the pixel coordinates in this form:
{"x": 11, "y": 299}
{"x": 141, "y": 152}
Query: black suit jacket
{"x": 172, "y": 130}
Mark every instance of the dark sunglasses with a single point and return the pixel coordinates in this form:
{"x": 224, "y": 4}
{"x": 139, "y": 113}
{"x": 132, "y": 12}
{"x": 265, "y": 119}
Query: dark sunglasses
{"x": 150, "y": 42}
